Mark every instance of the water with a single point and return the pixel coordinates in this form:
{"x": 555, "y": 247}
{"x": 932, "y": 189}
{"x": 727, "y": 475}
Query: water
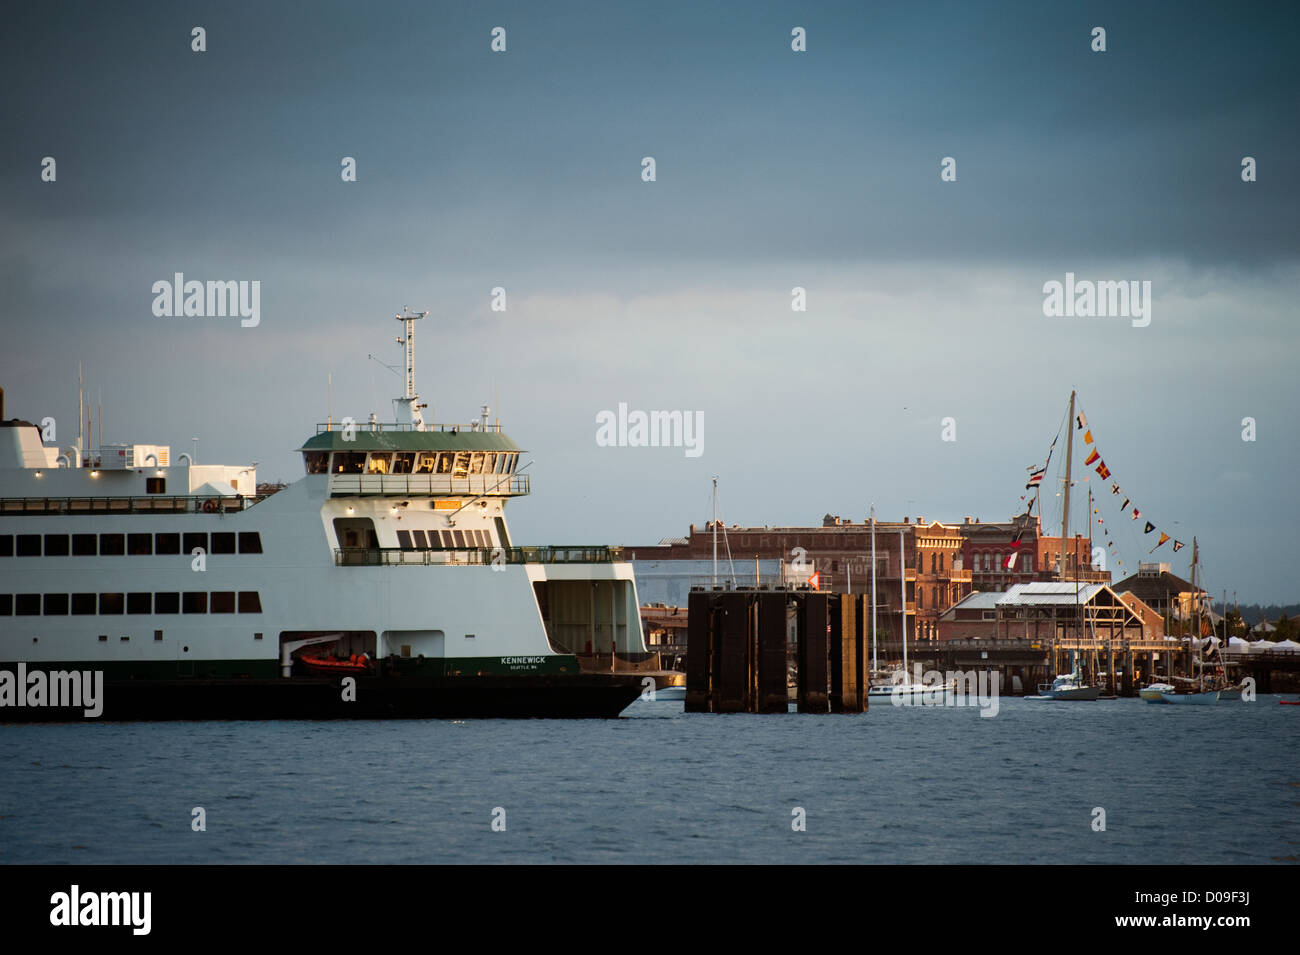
{"x": 1178, "y": 785}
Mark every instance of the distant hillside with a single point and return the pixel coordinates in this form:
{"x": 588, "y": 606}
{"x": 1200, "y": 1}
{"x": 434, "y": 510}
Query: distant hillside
{"x": 1254, "y": 613}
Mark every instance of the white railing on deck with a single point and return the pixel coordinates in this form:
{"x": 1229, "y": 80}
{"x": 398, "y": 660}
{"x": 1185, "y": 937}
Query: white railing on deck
{"x": 414, "y": 485}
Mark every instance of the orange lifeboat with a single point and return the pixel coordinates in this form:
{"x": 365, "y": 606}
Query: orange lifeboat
{"x": 357, "y": 663}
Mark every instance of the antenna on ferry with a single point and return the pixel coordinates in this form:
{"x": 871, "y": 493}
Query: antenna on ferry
{"x": 409, "y": 397}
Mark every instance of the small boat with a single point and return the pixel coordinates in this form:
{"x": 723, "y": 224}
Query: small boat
{"x": 913, "y": 693}
{"x": 1067, "y": 686}
{"x": 1289, "y": 702}
{"x": 1155, "y": 692}
{"x": 332, "y": 666}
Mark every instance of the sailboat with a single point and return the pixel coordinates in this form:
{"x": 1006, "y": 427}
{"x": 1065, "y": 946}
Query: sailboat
{"x": 1072, "y": 685}
{"x": 1192, "y": 691}
{"x": 898, "y": 689}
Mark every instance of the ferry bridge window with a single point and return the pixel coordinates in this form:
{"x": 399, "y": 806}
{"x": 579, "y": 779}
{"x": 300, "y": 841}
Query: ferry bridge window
{"x": 56, "y": 545}
{"x": 166, "y": 543}
{"x": 426, "y": 463}
{"x": 56, "y": 605}
{"x": 6, "y": 545}
{"x": 349, "y": 462}
{"x": 223, "y": 601}
{"x": 448, "y": 542}
{"x": 379, "y": 464}
{"x": 6, "y": 605}
{"x": 476, "y": 463}
{"x": 461, "y": 468}
{"x": 223, "y": 542}
{"x": 194, "y": 601}
{"x": 112, "y": 603}
{"x": 459, "y": 537}
{"x": 139, "y": 545}
{"x": 250, "y": 542}
{"x": 29, "y": 545}
{"x": 404, "y": 540}
{"x": 85, "y": 545}
{"x": 155, "y": 485}
{"x": 316, "y": 462}
{"x": 27, "y": 605}
{"x": 403, "y": 463}
{"x": 139, "y": 603}
{"x": 192, "y": 541}
{"x": 250, "y": 602}
{"x": 446, "y": 461}
{"x": 84, "y": 604}
{"x": 167, "y": 603}
{"x": 420, "y": 542}
{"x": 112, "y": 544}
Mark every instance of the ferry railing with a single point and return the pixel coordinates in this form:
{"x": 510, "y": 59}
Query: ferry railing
{"x": 470, "y": 427}
{"x": 415, "y": 485}
{"x": 152, "y": 504}
{"x": 490, "y": 556}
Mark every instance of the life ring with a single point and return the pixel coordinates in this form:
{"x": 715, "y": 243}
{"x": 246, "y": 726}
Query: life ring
{"x": 209, "y": 506}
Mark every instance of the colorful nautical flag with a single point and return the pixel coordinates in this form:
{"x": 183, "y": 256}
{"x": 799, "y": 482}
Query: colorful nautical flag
{"x": 1092, "y": 457}
{"x": 1087, "y": 437}
{"x": 1011, "y": 561}
{"x": 1124, "y": 506}
{"x": 1083, "y": 422}
{"x": 1103, "y": 470}
{"x": 1163, "y": 537}
{"x": 1178, "y": 545}
{"x": 1114, "y": 489}
{"x": 1149, "y": 528}
{"x": 1035, "y": 480}
{"x": 1136, "y": 513}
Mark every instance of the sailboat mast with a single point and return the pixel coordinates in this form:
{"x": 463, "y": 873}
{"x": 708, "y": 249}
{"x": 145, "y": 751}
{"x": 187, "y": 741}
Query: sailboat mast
{"x": 1065, "y": 506}
{"x": 1196, "y": 617}
{"x": 715, "y": 530}
{"x": 874, "y": 662}
{"x": 902, "y": 583}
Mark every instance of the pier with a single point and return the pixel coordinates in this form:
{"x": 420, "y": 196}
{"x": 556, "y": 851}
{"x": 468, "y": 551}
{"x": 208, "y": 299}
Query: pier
{"x": 739, "y": 659}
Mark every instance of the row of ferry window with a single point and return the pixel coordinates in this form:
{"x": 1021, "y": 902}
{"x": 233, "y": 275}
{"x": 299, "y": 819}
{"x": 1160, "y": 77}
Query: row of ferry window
{"x": 59, "y": 605}
{"x": 458, "y": 464}
{"x": 443, "y": 540}
{"x": 135, "y": 545}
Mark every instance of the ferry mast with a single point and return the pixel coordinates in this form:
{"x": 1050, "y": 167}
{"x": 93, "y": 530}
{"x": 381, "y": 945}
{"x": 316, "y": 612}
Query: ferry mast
{"x": 410, "y": 398}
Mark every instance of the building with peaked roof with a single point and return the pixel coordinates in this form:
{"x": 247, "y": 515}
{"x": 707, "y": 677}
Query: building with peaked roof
{"x": 1065, "y": 610}
{"x": 1168, "y": 594}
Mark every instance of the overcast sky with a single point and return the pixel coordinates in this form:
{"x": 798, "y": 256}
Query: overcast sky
{"x": 775, "y": 169}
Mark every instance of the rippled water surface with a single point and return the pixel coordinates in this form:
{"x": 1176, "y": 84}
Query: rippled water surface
{"x": 1178, "y": 784}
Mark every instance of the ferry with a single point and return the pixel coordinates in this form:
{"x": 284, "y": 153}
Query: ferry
{"x": 381, "y": 583}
